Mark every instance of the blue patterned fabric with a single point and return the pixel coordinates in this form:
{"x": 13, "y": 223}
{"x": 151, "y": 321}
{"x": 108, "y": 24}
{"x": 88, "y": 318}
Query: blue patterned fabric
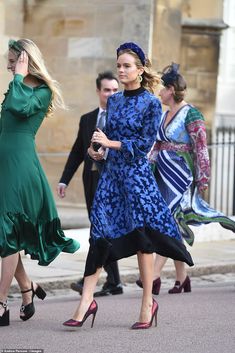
{"x": 172, "y": 173}
{"x": 176, "y": 174}
{"x": 127, "y": 196}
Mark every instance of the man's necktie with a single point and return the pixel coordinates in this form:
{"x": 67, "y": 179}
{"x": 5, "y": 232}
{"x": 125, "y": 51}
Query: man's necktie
{"x": 101, "y": 120}
{"x": 100, "y": 124}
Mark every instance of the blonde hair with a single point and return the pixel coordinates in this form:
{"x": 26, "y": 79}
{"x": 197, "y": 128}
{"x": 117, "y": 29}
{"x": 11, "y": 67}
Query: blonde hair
{"x": 150, "y": 79}
{"x": 37, "y": 68}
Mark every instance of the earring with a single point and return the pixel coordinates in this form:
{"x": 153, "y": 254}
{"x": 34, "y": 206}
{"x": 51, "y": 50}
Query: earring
{"x": 140, "y": 78}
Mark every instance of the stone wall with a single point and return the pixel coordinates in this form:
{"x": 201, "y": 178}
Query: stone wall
{"x": 11, "y": 23}
{"x": 79, "y": 39}
{"x": 188, "y": 32}
{"x": 199, "y": 64}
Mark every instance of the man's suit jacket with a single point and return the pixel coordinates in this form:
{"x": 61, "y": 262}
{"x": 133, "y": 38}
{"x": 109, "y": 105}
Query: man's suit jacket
{"x": 79, "y": 154}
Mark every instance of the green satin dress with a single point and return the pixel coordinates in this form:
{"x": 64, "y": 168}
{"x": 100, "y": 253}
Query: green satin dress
{"x": 28, "y": 216}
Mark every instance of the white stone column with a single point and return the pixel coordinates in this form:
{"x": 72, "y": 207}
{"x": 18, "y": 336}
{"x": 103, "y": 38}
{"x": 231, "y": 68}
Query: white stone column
{"x": 225, "y": 103}
{"x": 3, "y": 46}
{"x": 223, "y": 162}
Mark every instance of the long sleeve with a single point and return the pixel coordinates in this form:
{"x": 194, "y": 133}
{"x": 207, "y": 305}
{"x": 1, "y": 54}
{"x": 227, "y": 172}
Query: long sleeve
{"x": 140, "y": 146}
{"x": 153, "y": 153}
{"x": 75, "y": 158}
{"x": 195, "y": 126}
{"x": 25, "y": 101}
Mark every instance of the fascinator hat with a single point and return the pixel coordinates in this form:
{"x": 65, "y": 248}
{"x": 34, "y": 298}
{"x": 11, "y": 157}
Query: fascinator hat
{"x": 14, "y": 45}
{"x": 170, "y": 74}
{"x": 135, "y": 48}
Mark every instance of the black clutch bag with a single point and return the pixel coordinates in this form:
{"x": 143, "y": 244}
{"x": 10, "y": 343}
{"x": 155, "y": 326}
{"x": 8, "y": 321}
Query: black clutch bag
{"x": 96, "y": 145}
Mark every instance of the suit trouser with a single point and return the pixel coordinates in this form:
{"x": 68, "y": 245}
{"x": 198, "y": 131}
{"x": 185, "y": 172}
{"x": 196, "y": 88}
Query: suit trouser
{"x": 113, "y": 277}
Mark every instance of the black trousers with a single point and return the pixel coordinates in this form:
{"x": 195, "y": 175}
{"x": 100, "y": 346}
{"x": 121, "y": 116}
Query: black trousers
{"x": 113, "y": 277}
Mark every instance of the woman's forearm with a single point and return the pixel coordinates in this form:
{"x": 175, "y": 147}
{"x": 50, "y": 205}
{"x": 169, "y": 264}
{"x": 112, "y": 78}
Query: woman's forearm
{"x": 115, "y": 145}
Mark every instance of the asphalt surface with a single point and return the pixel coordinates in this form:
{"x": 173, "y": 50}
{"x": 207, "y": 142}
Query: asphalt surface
{"x": 198, "y": 322}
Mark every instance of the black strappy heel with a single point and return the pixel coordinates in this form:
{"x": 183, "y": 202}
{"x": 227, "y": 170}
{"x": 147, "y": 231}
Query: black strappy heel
{"x": 5, "y": 318}
{"x": 29, "y": 309}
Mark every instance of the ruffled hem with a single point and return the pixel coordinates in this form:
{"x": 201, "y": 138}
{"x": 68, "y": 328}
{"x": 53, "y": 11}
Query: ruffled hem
{"x": 197, "y": 213}
{"x": 194, "y": 219}
{"x": 104, "y": 251}
{"x": 44, "y": 241}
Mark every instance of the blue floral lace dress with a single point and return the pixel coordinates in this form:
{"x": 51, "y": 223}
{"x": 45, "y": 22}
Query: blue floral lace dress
{"x": 128, "y": 212}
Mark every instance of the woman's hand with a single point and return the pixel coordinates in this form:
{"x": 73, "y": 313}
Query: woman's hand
{"x": 97, "y": 156}
{"x": 202, "y": 188}
{"x": 22, "y": 64}
{"x": 100, "y": 137}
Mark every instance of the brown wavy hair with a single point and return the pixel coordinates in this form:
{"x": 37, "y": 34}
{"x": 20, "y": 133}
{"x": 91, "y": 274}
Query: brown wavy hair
{"x": 150, "y": 79}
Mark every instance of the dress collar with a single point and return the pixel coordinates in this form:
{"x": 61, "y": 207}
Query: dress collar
{"x": 133, "y": 92}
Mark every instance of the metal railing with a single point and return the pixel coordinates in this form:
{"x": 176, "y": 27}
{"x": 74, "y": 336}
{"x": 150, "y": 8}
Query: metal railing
{"x": 222, "y": 184}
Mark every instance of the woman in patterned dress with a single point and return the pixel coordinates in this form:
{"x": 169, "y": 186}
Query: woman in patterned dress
{"x": 128, "y": 214}
{"x": 182, "y": 170}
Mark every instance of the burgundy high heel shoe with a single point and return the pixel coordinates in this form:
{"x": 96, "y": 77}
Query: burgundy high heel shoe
{"x": 146, "y": 325}
{"x": 5, "y": 318}
{"x": 156, "y": 285}
{"x": 92, "y": 310}
{"x": 186, "y": 286}
{"x": 29, "y": 309}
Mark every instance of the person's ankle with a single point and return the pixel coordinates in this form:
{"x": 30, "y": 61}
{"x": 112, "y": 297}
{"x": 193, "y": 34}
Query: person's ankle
{"x": 181, "y": 278}
{"x": 156, "y": 276}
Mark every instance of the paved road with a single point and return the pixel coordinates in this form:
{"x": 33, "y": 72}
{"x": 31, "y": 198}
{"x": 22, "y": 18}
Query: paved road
{"x": 197, "y": 322}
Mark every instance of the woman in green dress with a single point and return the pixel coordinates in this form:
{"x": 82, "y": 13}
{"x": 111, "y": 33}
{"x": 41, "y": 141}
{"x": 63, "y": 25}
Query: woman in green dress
{"x": 28, "y": 216}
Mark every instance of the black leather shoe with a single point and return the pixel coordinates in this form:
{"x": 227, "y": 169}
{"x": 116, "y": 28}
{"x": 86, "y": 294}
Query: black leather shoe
{"x": 109, "y": 290}
{"x": 77, "y": 286}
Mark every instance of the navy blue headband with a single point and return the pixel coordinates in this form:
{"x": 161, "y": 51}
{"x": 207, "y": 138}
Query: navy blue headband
{"x": 135, "y": 48}
{"x": 170, "y": 74}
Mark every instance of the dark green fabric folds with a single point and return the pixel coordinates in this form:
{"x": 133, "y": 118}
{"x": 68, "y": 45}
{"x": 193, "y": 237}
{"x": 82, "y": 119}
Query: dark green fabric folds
{"x": 43, "y": 241}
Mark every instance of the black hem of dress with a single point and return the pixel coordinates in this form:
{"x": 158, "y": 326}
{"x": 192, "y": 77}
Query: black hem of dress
{"x": 146, "y": 240}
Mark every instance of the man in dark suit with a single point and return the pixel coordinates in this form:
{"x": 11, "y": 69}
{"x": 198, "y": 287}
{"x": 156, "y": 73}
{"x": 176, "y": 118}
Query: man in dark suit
{"x": 106, "y": 85}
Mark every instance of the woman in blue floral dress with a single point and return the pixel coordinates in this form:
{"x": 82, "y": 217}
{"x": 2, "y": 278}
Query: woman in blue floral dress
{"x": 129, "y": 215}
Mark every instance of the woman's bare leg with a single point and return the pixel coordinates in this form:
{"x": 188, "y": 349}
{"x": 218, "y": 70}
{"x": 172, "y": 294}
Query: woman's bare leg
{"x": 145, "y": 262}
{"x": 158, "y": 265}
{"x": 23, "y": 281}
{"x": 21, "y": 276}
{"x": 181, "y": 272}
{"x": 8, "y": 268}
{"x": 87, "y": 295}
